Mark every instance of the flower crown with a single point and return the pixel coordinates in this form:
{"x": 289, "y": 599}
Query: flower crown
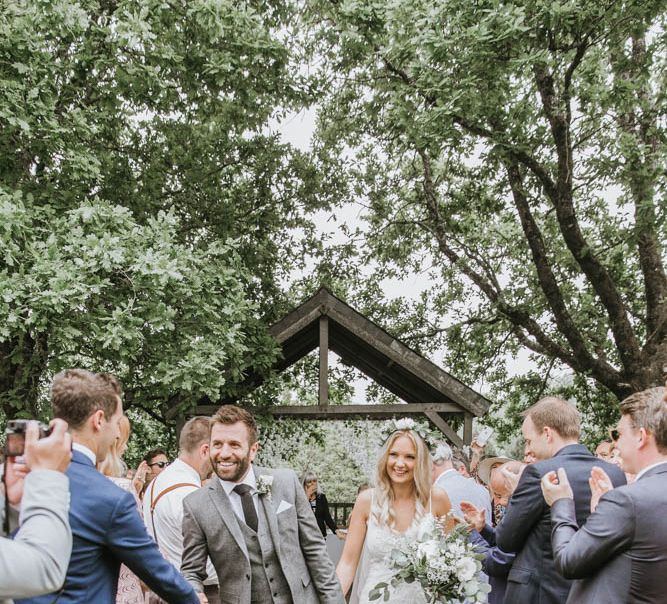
{"x": 429, "y": 436}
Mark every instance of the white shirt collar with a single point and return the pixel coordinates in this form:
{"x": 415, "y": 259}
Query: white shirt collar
{"x": 647, "y": 468}
{"x": 86, "y": 451}
{"x": 249, "y": 479}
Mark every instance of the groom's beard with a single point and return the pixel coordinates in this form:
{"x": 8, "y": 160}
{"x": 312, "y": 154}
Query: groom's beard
{"x": 233, "y": 472}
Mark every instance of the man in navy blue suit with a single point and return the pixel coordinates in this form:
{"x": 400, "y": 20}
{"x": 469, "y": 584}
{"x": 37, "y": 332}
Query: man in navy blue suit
{"x": 106, "y": 527}
{"x": 551, "y": 431}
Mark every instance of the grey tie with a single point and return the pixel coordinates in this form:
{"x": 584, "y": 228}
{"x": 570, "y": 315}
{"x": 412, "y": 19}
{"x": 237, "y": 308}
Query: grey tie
{"x": 248, "y": 505}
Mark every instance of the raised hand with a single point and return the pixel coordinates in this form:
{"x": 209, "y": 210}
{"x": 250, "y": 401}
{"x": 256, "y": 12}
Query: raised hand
{"x": 510, "y": 478}
{"x": 600, "y": 484}
{"x": 140, "y": 477}
{"x": 474, "y": 516}
{"x": 556, "y": 486}
{"x": 51, "y": 453}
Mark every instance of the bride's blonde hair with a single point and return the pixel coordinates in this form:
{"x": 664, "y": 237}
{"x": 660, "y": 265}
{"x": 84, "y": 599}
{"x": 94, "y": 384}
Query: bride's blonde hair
{"x": 383, "y": 508}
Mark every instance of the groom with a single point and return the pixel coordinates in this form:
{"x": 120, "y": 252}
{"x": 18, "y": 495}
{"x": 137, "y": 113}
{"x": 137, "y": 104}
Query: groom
{"x": 255, "y": 524}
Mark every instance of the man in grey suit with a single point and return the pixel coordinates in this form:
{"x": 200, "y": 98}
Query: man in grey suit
{"x": 35, "y": 562}
{"x": 551, "y": 431}
{"x": 458, "y": 487}
{"x": 620, "y": 555}
{"x": 256, "y": 526}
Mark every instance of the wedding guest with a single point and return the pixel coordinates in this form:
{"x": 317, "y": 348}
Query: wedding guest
{"x": 163, "y": 503}
{"x": 319, "y": 504}
{"x": 551, "y": 431}
{"x": 620, "y": 554}
{"x": 153, "y": 463}
{"x": 603, "y": 450}
{"x": 460, "y": 466}
{"x": 255, "y": 524}
{"x": 388, "y": 515}
{"x": 497, "y": 563}
{"x": 107, "y": 530}
{"x": 528, "y": 456}
{"x": 35, "y": 561}
{"x": 487, "y": 474}
{"x": 129, "y": 587}
{"x": 458, "y": 487}
{"x": 615, "y": 458}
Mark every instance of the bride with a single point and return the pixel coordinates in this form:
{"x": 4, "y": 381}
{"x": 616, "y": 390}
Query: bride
{"x": 389, "y": 514}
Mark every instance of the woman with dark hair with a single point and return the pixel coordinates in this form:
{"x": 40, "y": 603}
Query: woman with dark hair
{"x": 319, "y": 504}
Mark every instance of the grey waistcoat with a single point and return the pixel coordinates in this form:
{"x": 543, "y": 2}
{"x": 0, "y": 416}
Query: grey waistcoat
{"x": 268, "y": 581}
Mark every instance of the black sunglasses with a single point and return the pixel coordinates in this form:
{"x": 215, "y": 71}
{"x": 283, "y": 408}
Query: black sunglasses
{"x": 159, "y": 464}
{"x": 614, "y": 434}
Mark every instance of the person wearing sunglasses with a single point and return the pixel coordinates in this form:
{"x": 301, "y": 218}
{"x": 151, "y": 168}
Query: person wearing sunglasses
{"x": 153, "y": 463}
{"x": 620, "y": 554}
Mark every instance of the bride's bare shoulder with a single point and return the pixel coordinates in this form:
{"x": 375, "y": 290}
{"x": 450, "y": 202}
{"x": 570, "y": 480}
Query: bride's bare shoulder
{"x": 364, "y": 500}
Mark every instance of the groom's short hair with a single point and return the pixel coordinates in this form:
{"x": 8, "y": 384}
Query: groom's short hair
{"x": 231, "y": 414}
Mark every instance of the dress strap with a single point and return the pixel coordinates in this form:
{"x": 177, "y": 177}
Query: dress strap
{"x": 430, "y": 502}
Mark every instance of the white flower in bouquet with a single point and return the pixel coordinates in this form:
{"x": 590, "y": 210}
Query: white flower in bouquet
{"x": 466, "y": 569}
{"x": 428, "y": 549}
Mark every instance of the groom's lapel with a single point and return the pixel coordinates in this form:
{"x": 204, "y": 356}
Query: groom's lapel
{"x": 224, "y": 507}
{"x": 269, "y": 506}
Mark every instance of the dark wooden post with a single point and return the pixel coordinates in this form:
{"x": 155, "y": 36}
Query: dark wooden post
{"x": 324, "y": 360}
{"x": 467, "y": 428}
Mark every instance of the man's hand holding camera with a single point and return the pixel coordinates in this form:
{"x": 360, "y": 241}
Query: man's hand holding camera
{"x": 51, "y": 453}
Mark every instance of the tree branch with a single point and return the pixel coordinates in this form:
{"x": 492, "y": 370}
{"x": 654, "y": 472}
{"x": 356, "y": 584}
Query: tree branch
{"x": 585, "y": 361}
{"x": 597, "y": 274}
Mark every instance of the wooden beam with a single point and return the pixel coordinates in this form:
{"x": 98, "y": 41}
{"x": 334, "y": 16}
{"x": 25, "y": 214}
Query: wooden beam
{"x": 324, "y": 361}
{"x": 326, "y": 412}
{"x": 445, "y": 428}
{"x": 467, "y": 428}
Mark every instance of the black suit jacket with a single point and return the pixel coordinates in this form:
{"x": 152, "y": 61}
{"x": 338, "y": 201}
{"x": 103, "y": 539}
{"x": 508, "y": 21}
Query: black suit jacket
{"x": 323, "y": 515}
{"x": 526, "y": 526}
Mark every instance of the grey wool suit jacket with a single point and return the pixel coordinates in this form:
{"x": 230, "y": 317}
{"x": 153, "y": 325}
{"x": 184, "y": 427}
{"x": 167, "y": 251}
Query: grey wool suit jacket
{"x": 620, "y": 555}
{"x": 35, "y": 562}
{"x": 210, "y": 528}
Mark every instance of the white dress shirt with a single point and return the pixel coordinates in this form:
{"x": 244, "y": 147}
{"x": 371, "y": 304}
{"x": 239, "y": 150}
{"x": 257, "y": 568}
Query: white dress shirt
{"x": 86, "y": 451}
{"x": 168, "y": 514}
{"x": 235, "y": 498}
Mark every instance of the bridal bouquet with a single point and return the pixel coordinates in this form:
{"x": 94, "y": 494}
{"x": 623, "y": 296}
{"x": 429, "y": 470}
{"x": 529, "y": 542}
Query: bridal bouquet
{"x": 446, "y": 566}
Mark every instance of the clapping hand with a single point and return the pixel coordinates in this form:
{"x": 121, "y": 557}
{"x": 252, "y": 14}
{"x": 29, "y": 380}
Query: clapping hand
{"x": 511, "y": 479}
{"x": 600, "y": 484}
{"x": 556, "y": 486}
{"x": 474, "y": 516}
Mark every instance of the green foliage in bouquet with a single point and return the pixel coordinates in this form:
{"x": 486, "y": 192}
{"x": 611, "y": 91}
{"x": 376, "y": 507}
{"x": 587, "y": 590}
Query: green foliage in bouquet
{"x": 445, "y": 564}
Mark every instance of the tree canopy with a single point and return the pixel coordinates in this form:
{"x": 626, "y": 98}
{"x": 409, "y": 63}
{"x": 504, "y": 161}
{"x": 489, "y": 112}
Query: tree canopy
{"x": 149, "y": 212}
{"x": 514, "y": 152}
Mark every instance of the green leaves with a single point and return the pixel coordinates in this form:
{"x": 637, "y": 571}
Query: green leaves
{"x": 472, "y": 131}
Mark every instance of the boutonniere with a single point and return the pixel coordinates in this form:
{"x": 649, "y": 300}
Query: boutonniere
{"x": 264, "y": 484}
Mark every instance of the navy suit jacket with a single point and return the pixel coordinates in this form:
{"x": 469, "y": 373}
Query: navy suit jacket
{"x": 526, "y": 527}
{"x": 108, "y": 530}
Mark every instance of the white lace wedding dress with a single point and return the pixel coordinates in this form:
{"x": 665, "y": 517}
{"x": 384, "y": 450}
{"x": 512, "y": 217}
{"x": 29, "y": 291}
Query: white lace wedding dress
{"x": 374, "y": 566}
